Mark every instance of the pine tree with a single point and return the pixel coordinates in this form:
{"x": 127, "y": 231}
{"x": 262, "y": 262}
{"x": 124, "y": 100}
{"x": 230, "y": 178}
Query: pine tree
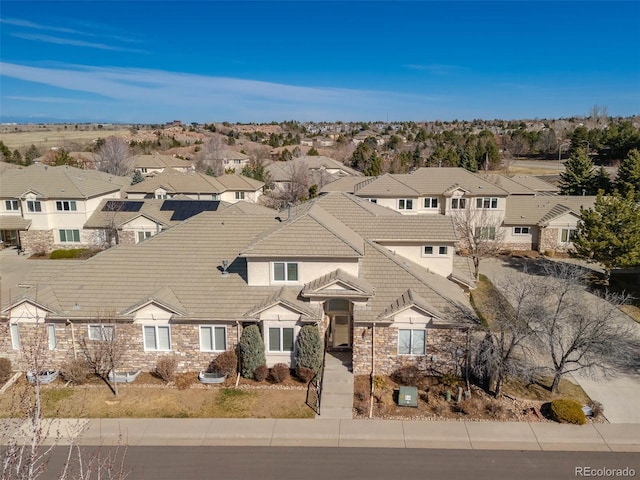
{"x": 628, "y": 177}
{"x": 137, "y": 177}
{"x": 251, "y": 351}
{"x": 601, "y": 181}
{"x": 578, "y": 177}
{"x": 609, "y": 232}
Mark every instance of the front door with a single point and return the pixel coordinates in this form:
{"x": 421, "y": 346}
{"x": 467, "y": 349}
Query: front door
{"x": 341, "y": 331}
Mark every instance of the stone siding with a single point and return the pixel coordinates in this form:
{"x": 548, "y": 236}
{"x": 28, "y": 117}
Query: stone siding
{"x": 34, "y": 242}
{"x": 548, "y": 239}
{"x": 439, "y": 358}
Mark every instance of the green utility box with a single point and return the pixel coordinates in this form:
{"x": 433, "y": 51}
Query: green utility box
{"x": 408, "y": 397}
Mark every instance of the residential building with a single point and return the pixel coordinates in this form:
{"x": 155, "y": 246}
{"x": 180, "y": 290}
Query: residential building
{"x": 149, "y": 165}
{"x": 44, "y": 208}
{"x": 359, "y": 272}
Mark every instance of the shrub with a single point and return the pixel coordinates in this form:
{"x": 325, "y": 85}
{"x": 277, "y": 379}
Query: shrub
{"x": 76, "y": 371}
{"x": 261, "y": 373}
{"x": 305, "y": 374}
{"x": 251, "y": 350}
{"x": 5, "y": 370}
{"x": 309, "y": 348}
{"x": 71, "y": 253}
{"x": 226, "y": 363}
{"x": 184, "y": 380}
{"x": 449, "y": 379}
{"x": 166, "y": 368}
{"x": 408, "y": 375}
{"x": 597, "y": 408}
{"x": 567, "y": 411}
{"x": 280, "y": 372}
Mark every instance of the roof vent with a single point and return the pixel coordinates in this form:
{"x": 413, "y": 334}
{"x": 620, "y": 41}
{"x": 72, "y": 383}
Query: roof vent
{"x": 225, "y": 266}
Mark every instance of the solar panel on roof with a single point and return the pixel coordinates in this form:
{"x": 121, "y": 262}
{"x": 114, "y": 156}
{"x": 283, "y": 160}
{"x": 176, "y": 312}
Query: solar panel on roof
{"x": 184, "y": 209}
{"x": 120, "y": 206}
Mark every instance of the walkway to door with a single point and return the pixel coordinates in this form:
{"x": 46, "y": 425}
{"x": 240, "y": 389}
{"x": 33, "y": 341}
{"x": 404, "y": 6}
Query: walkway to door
{"x": 337, "y": 386}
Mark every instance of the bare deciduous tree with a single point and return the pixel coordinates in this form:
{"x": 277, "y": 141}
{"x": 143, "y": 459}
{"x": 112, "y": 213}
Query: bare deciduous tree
{"x": 211, "y": 158}
{"x": 479, "y": 232}
{"x": 114, "y": 157}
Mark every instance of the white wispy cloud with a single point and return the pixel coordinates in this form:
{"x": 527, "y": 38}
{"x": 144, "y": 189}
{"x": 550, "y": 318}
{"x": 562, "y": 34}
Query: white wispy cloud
{"x": 23, "y": 98}
{"x": 74, "y": 42}
{"x": 145, "y": 88}
{"x": 37, "y": 26}
{"x": 435, "y": 68}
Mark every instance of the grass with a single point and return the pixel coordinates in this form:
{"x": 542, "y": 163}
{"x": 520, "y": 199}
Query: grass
{"x": 541, "y": 390}
{"x": 481, "y": 298}
{"x": 632, "y": 311}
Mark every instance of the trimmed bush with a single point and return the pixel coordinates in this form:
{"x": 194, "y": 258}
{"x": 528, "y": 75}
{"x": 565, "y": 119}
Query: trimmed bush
{"x": 567, "y": 411}
{"x": 261, "y": 373}
{"x": 309, "y": 348}
{"x": 251, "y": 351}
{"x": 280, "y": 372}
{"x": 166, "y": 367}
{"x": 305, "y": 374}
{"x": 226, "y": 363}
{"x": 5, "y": 370}
{"x": 76, "y": 371}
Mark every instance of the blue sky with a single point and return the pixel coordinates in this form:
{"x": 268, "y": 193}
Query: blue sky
{"x": 206, "y": 61}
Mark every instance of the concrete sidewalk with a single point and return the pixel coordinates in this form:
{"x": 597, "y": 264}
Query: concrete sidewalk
{"x": 341, "y": 433}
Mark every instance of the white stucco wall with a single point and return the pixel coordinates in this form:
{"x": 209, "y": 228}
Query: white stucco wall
{"x": 260, "y": 271}
{"x": 440, "y": 264}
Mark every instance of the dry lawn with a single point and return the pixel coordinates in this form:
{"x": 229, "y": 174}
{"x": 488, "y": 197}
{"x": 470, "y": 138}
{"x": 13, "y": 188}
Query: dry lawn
{"x": 149, "y": 397}
{"x": 44, "y": 139}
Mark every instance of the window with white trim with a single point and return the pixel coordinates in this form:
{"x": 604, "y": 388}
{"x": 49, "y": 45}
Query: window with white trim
{"x": 487, "y": 203}
{"x": 458, "y": 203}
{"x": 285, "y": 271}
{"x": 66, "y": 205}
{"x": 431, "y": 202}
{"x": 239, "y": 195}
{"x": 443, "y": 250}
{"x": 568, "y": 235}
{"x": 431, "y": 251}
{"x": 213, "y": 338}
{"x": 411, "y": 341}
{"x": 521, "y": 230}
{"x": 215, "y": 196}
{"x": 67, "y": 236}
{"x": 161, "y": 196}
{"x": 142, "y": 236}
{"x": 405, "y": 204}
{"x": 34, "y": 206}
{"x": 51, "y": 334}
{"x": 281, "y": 339}
{"x": 101, "y": 332}
{"x": 15, "y": 336}
{"x": 157, "y": 337}
{"x": 11, "y": 205}
{"x": 486, "y": 233}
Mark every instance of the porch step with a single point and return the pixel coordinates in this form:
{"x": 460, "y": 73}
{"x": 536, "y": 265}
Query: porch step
{"x": 337, "y": 386}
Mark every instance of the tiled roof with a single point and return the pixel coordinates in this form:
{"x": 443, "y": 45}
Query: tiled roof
{"x": 408, "y": 299}
{"x": 194, "y": 183}
{"x": 322, "y": 285}
{"x": 535, "y": 183}
{"x": 507, "y": 184}
{"x": 543, "y": 208}
{"x": 343, "y": 184}
{"x": 160, "y": 161}
{"x": 287, "y": 297}
{"x": 58, "y": 182}
{"x": 13, "y": 222}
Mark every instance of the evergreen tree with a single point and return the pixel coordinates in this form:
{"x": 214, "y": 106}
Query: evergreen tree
{"x": 601, "y": 181}
{"x": 137, "y": 177}
{"x": 313, "y": 152}
{"x": 628, "y": 178}
{"x": 309, "y": 348}
{"x": 374, "y": 168}
{"x": 578, "y": 177}
{"x": 609, "y": 232}
{"x": 31, "y": 154}
{"x": 251, "y": 351}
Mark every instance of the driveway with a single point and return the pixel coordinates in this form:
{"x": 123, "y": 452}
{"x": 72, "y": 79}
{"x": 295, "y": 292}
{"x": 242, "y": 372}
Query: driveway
{"x": 618, "y": 392}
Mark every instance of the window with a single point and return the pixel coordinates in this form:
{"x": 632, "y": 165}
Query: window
{"x": 66, "y": 205}
{"x": 215, "y": 196}
{"x": 411, "y": 342}
{"x": 405, "y": 204}
{"x": 568, "y": 235}
{"x": 101, "y": 332}
{"x": 281, "y": 339}
{"x": 285, "y": 272}
{"x": 67, "y": 236}
{"x": 213, "y": 339}
{"x": 239, "y": 195}
{"x": 143, "y": 170}
{"x": 157, "y": 337}
{"x": 458, "y": 203}
{"x": 431, "y": 202}
{"x": 11, "y": 205}
{"x": 161, "y": 196}
{"x": 34, "y": 205}
{"x": 51, "y": 333}
{"x": 486, "y": 233}
{"x": 144, "y": 235}
{"x": 372, "y": 200}
{"x": 429, "y": 250}
{"x": 487, "y": 202}
{"x": 520, "y": 230}
{"x": 15, "y": 336}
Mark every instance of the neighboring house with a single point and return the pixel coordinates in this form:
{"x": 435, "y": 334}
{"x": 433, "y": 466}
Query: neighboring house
{"x": 197, "y": 186}
{"x": 235, "y": 161}
{"x": 149, "y": 165}
{"x": 45, "y": 208}
{"x": 321, "y": 171}
{"x": 543, "y": 223}
{"x": 360, "y": 272}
